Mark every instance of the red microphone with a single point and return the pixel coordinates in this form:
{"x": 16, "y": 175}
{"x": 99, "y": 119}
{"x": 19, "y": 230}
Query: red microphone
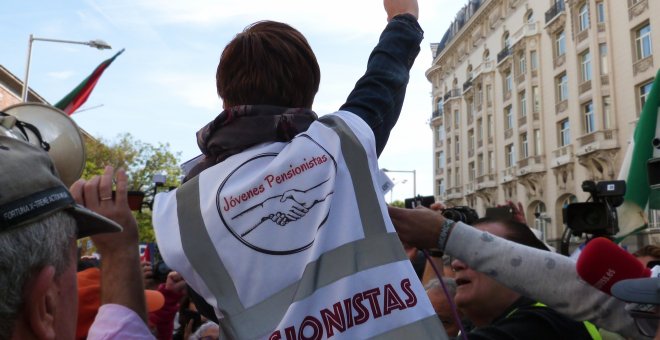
{"x": 602, "y": 263}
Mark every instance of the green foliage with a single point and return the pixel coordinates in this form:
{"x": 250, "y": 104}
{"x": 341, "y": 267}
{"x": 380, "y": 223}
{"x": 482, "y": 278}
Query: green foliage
{"x": 398, "y": 204}
{"x": 141, "y": 161}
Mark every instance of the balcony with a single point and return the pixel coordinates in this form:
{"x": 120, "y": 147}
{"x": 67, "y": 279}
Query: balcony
{"x": 561, "y": 106}
{"x": 598, "y": 140}
{"x": 453, "y": 93}
{"x": 503, "y": 54}
{"x": 531, "y": 164}
{"x": 562, "y": 156}
{"x": 467, "y": 85}
{"x": 584, "y": 86}
{"x": 643, "y": 64}
{"x": 527, "y": 30}
{"x": 486, "y": 181}
{"x": 484, "y": 67}
{"x": 437, "y": 114}
{"x": 557, "y": 8}
{"x": 638, "y": 8}
{"x": 455, "y": 192}
{"x": 509, "y": 174}
{"x": 469, "y": 188}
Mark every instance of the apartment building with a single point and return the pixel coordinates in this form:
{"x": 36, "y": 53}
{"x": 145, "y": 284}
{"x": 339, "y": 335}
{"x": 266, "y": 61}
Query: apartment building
{"x": 531, "y": 98}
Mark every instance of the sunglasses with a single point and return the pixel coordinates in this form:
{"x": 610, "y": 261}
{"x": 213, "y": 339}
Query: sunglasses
{"x": 646, "y": 319}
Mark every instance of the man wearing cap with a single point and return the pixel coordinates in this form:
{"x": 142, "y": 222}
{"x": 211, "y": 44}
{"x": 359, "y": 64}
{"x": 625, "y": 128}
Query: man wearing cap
{"x": 40, "y": 221}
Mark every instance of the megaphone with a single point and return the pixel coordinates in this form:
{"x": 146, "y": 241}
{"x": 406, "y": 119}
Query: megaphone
{"x": 51, "y": 129}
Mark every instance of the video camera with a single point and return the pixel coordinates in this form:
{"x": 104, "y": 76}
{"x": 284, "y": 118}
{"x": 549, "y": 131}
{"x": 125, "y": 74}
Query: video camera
{"x": 460, "y": 213}
{"x": 599, "y": 216}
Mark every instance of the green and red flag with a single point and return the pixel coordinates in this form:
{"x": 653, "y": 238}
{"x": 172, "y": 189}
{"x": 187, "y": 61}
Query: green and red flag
{"x": 639, "y": 197}
{"x": 72, "y": 101}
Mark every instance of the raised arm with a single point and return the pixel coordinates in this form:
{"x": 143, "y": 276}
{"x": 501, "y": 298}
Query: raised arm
{"x": 378, "y": 96}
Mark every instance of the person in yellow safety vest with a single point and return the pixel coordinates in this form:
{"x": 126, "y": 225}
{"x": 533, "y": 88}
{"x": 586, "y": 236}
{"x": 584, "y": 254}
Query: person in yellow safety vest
{"x": 498, "y": 312}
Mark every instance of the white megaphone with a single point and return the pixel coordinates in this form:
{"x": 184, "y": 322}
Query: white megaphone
{"x": 51, "y": 129}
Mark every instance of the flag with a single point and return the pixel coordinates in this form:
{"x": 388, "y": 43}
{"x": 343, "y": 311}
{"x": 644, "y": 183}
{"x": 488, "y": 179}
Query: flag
{"x": 79, "y": 95}
{"x": 632, "y": 216}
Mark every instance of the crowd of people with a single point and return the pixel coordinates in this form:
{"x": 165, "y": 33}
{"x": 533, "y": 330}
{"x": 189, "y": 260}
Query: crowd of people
{"x": 280, "y": 231}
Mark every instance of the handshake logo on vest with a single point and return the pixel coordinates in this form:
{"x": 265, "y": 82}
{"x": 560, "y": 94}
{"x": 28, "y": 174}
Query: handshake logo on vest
{"x": 275, "y": 202}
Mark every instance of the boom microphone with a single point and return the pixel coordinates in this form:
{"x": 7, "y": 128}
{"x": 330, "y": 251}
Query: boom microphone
{"x": 603, "y": 263}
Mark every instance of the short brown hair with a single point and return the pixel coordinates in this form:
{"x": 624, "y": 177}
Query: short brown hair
{"x": 648, "y": 250}
{"x": 269, "y": 63}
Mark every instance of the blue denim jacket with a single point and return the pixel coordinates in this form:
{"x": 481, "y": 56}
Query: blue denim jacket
{"x": 378, "y": 96}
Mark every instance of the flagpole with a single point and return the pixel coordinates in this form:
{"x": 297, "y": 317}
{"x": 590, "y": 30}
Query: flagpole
{"x": 98, "y": 44}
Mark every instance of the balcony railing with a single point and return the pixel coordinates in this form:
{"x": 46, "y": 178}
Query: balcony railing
{"x": 437, "y": 114}
{"x": 562, "y": 155}
{"x": 531, "y": 164}
{"x": 453, "y": 93}
{"x": 484, "y": 67}
{"x": 554, "y": 10}
{"x": 503, "y": 54}
{"x": 601, "y": 139}
{"x": 467, "y": 84}
{"x": 508, "y": 174}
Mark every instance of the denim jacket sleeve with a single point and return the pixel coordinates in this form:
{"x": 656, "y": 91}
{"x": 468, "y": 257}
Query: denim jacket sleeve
{"x": 378, "y": 96}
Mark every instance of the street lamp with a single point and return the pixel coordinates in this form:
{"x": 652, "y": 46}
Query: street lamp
{"x": 98, "y": 44}
{"x": 414, "y": 172}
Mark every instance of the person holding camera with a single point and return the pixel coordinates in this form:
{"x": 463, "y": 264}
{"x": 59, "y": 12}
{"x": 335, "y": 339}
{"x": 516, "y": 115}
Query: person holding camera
{"x": 538, "y": 274}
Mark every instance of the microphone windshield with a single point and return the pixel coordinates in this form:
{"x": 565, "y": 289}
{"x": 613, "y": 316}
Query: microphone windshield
{"x": 603, "y": 263}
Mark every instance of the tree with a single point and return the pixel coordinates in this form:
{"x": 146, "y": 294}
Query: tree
{"x": 141, "y": 161}
{"x": 398, "y": 204}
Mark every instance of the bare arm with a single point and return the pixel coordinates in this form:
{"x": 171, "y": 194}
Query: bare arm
{"x": 121, "y": 275}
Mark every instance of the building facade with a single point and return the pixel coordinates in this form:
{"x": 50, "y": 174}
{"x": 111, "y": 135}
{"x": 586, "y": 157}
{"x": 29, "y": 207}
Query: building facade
{"x": 531, "y": 98}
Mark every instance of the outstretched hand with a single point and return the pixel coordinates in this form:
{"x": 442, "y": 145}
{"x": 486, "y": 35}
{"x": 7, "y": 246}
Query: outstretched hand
{"x": 396, "y": 7}
{"x": 96, "y": 195}
{"x": 419, "y": 227}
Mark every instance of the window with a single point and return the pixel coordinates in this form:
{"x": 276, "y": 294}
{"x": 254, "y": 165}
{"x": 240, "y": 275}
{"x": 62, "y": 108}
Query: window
{"x": 536, "y": 98}
{"x": 562, "y": 87}
{"x": 490, "y": 126}
{"x": 489, "y": 98}
{"x": 441, "y": 159}
{"x": 471, "y": 140}
{"x": 449, "y": 178}
{"x": 644, "y": 91}
{"x": 480, "y": 133}
{"x": 471, "y": 172}
{"x": 534, "y": 60}
{"x": 643, "y": 42}
{"x": 440, "y": 106}
{"x": 441, "y": 187}
{"x": 506, "y": 40}
{"x": 510, "y": 156}
{"x": 508, "y": 82}
{"x": 589, "y": 120}
{"x": 524, "y": 146}
{"x": 537, "y": 142}
{"x": 469, "y": 103}
{"x": 522, "y": 63}
{"x": 523, "y": 103}
{"x": 600, "y": 11}
{"x": 583, "y": 17}
{"x": 457, "y": 147}
{"x": 491, "y": 162}
{"x": 585, "y": 66}
{"x": 480, "y": 164}
{"x": 602, "y": 50}
{"x": 479, "y": 97}
{"x": 529, "y": 17}
{"x": 441, "y": 133}
{"x": 564, "y": 133}
{"x": 457, "y": 177}
{"x": 560, "y": 44}
{"x": 457, "y": 118}
{"x": 508, "y": 116}
{"x": 607, "y": 113}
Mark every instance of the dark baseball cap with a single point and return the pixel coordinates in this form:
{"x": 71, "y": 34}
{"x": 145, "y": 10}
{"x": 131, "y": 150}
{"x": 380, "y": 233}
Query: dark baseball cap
{"x": 30, "y": 189}
{"x": 644, "y": 290}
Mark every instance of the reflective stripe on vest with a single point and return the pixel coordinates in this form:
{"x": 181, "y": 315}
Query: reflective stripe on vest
{"x": 379, "y": 247}
{"x": 591, "y": 328}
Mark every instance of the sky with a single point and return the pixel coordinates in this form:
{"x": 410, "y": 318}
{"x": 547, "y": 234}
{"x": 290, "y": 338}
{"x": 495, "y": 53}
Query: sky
{"x": 162, "y": 88}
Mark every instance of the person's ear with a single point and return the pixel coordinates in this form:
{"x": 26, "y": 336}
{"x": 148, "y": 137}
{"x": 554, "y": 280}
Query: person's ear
{"x": 41, "y": 303}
